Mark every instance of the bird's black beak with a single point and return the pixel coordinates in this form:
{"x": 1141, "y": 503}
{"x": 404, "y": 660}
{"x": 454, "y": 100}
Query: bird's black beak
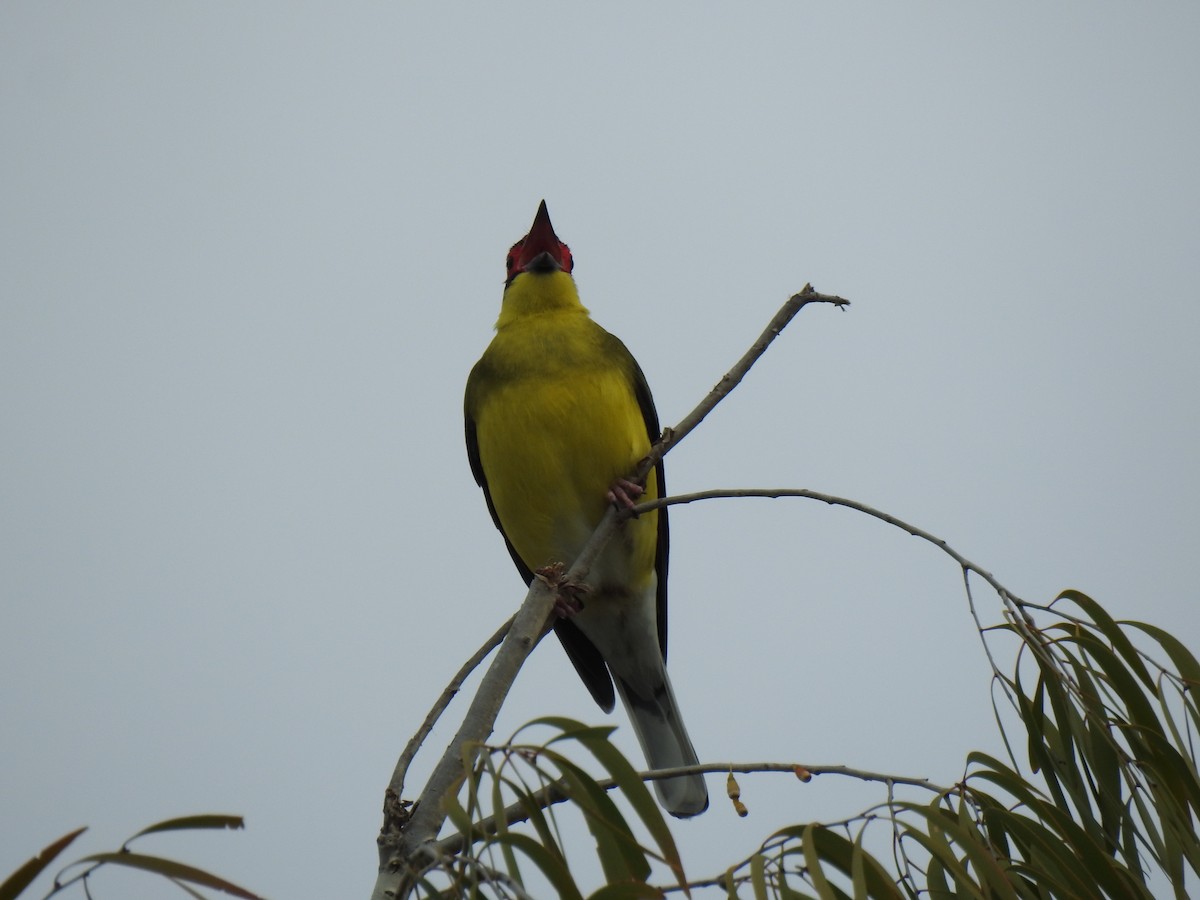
{"x": 543, "y": 262}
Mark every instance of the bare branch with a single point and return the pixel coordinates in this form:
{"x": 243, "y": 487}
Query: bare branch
{"x": 396, "y": 787}
{"x": 554, "y": 793}
{"x": 672, "y": 436}
{"x": 403, "y": 837}
{"x": 1012, "y": 602}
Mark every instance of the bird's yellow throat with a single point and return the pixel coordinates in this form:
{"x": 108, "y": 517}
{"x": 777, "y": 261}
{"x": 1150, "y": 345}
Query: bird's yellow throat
{"x": 533, "y": 294}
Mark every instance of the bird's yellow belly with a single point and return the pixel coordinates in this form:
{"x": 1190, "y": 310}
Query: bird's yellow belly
{"x": 550, "y": 450}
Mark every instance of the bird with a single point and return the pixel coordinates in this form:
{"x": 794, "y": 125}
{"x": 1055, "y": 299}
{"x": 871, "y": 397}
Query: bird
{"x": 558, "y": 414}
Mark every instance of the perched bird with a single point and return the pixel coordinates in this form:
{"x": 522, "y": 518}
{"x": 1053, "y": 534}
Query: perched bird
{"x": 558, "y": 414}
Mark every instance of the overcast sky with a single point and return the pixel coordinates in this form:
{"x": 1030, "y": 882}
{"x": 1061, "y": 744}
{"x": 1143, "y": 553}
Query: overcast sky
{"x": 249, "y": 252}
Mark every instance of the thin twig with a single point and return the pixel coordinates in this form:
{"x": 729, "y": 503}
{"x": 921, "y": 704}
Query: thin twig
{"x": 671, "y": 437}
{"x": 1010, "y": 600}
{"x": 1016, "y": 610}
{"x": 554, "y": 793}
{"x": 396, "y": 787}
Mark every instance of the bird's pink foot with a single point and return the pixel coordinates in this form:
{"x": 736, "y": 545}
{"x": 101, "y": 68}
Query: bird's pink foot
{"x": 568, "y": 602}
{"x": 568, "y": 596}
{"x": 624, "y": 493}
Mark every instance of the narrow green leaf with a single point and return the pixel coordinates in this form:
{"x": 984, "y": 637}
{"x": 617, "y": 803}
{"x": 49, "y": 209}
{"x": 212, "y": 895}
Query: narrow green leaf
{"x": 825, "y": 889}
{"x": 24, "y": 876}
{"x": 631, "y": 786}
{"x": 619, "y": 851}
{"x": 187, "y": 823}
{"x": 549, "y": 862}
{"x": 758, "y": 876}
{"x": 935, "y": 880}
{"x": 730, "y": 884}
{"x": 1182, "y": 743}
{"x": 1111, "y": 630}
{"x": 499, "y": 805}
{"x": 168, "y": 868}
{"x": 1185, "y": 663}
{"x": 949, "y": 830}
{"x": 1105, "y": 767}
{"x": 1149, "y": 832}
{"x": 940, "y": 851}
{"x": 1130, "y": 851}
{"x": 1031, "y": 710}
{"x": 1122, "y": 681}
{"x": 975, "y": 845}
{"x": 1047, "y": 859}
{"x": 1042, "y": 737}
{"x": 1174, "y": 774}
{"x": 457, "y": 814}
{"x": 868, "y": 875}
{"x": 1005, "y": 778}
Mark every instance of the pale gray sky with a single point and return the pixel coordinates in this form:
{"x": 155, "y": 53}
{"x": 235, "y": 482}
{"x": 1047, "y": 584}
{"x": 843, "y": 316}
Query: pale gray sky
{"x": 249, "y": 252}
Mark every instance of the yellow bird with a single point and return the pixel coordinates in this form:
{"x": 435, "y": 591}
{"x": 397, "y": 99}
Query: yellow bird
{"x": 558, "y": 414}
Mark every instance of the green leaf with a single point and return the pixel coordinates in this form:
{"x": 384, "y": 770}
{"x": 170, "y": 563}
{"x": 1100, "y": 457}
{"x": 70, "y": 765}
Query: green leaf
{"x": 1185, "y": 663}
{"x": 939, "y": 848}
{"x": 537, "y": 818}
{"x": 1049, "y": 857}
{"x": 549, "y": 862}
{"x": 498, "y": 815}
{"x": 935, "y": 880}
{"x": 458, "y": 815}
{"x": 812, "y": 858}
{"x": 869, "y": 876}
{"x": 730, "y": 884}
{"x": 1123, "y": 683}
{"x": 188, "y": 823}
{"x": 24, "y": 876}
{"x": 170, "y": 869}
{"x": 619, "y": 852}
{"x": 629, "y": 783}
{"x": 758, "y": 876}
{"x": 1111, "y": 630}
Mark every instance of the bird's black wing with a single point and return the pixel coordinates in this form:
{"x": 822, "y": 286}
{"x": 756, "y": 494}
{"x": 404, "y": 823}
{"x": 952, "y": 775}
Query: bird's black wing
{"x": 481, "y": 480}
{"x": 641, "y": 390}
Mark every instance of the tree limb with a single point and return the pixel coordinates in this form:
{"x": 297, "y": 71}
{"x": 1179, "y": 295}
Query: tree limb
{"x": 396, "y": 786}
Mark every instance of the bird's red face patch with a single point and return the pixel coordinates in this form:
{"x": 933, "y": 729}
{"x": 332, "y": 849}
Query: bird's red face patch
{"x": 540, "y": 250}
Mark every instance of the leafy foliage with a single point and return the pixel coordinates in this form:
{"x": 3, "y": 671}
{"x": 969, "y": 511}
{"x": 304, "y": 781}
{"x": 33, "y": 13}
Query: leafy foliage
{"x": 183, "y": 876}
{"x": 1098, "y": 795}
{"x": 522, "y": 782}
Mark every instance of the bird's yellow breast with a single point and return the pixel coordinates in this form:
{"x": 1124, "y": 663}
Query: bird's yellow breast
{"x": 557, "y": 421}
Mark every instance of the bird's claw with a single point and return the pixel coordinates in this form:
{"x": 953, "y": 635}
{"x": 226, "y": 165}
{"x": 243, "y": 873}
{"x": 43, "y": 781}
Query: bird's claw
{"x": 624, "y": 493}
{"x": 568, "y": 596}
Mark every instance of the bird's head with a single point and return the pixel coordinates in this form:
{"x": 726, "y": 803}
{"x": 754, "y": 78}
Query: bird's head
{"x": 540, "y": 250}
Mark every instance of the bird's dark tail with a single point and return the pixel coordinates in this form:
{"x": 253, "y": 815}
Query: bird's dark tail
{"x": 665, "y": 742}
